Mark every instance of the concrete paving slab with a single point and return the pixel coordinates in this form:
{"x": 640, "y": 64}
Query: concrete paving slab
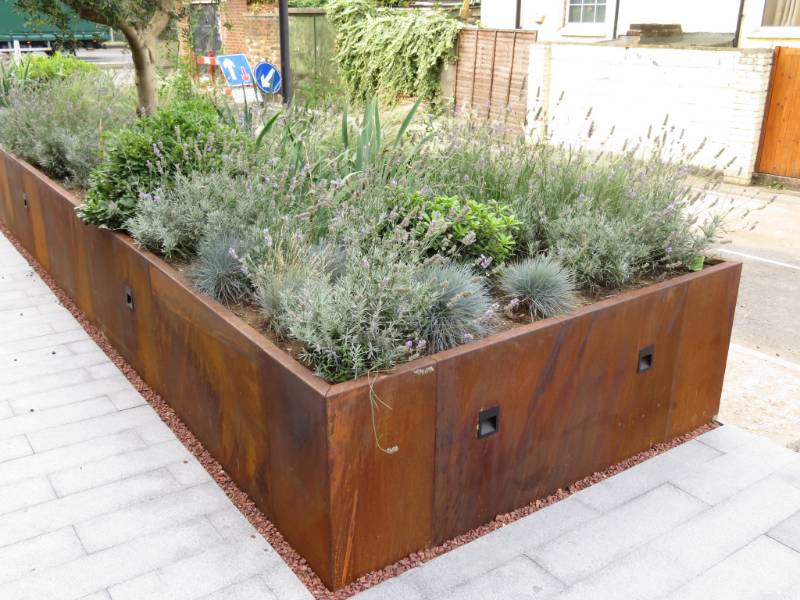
{"x": 590, "y": 547}
{"x": 788, "y": 532}
{"x": 518, "y": 579}
{"x": 762, "y": 569}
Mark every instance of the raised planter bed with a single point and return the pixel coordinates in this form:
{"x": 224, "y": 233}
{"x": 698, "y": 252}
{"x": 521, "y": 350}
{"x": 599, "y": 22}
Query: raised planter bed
{"x": 557, "y": 400}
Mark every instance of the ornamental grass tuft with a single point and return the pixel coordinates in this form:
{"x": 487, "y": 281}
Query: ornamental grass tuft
{"x": 540, "y": 285}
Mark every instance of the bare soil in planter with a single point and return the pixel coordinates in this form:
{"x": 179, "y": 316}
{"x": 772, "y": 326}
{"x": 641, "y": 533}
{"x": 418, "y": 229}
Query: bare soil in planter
{"x": 257, "y": 518}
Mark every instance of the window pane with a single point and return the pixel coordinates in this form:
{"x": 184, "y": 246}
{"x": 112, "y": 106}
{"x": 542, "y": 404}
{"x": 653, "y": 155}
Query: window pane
{"x": 600, "y": 17}
{"x": 781, "y": 13}
{"x": 574, "y": 14}
{"x": 588, "y": 14}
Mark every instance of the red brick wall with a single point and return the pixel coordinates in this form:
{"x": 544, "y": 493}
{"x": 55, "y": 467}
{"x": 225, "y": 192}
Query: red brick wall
{"x": 251, "y": 29}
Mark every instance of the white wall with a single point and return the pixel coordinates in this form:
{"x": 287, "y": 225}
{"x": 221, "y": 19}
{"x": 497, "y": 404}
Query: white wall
{"x": 712, "y": 95}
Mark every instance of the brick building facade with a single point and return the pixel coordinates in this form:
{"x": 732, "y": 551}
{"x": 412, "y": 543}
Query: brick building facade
{"x": 244, "y": 27}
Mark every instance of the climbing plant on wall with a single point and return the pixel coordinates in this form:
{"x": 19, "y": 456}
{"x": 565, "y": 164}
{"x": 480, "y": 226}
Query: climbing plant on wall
{"x": 389, "y": 53}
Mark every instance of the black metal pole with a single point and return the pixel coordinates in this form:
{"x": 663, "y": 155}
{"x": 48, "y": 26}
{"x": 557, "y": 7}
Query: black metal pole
{"x": 737, "y": 34}
{"x": 616, "y": 20}
{"x": 518, "y": 23}
{"x": 286, "y": 67}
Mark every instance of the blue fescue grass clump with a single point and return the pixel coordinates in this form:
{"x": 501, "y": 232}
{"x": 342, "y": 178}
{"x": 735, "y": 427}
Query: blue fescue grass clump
{"x": 218, "y": 271}
{"x": 540, "y": 285}
{"x": 461, "y": 308}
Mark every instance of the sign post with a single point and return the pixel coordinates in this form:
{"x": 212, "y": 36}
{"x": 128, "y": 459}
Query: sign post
{"x": 283, "y": 26}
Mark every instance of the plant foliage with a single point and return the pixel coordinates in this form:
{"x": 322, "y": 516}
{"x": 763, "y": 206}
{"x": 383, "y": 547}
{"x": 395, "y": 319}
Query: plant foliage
{"x": 382, "y": 52}
{"x": 59, "y": 125}
{"x": 540, "y": 285}
{"x": 183, "y": 137}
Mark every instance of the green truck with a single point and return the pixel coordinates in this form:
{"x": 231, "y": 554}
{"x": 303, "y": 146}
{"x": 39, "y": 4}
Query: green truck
{"x": 17, "y": 26}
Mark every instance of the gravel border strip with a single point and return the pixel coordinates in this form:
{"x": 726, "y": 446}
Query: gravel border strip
{"x": 257, "y": 519}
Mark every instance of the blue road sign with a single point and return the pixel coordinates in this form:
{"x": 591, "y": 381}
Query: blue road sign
{"x": 236, "y": 69}
{"x": 268, "y": 78}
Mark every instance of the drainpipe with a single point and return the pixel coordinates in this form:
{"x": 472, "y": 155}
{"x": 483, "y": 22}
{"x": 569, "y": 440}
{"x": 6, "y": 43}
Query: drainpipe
{"x": 518, "y": 24}
{"x": 286, "y": 69}
{"x": 738, "y": 25}
{"x": 616, "y": 19}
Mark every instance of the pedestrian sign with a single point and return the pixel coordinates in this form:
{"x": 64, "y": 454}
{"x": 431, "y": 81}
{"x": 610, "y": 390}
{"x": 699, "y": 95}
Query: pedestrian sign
{"x": 268, "y": 78}
{"x": 236, "y": 69}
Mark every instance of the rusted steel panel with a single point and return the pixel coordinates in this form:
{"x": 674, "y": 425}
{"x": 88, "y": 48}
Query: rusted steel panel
{"x": 703, "y": 347}
{"x": 571, "y": 402}
{"x": 256, "y": 414}
{"x": 570, "y": 395}
{"x": 381, "y": 502}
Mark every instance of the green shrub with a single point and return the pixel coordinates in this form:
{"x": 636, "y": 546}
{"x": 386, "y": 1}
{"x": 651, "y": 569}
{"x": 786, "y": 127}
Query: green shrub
{"x": 540, "y": 285}
{"x": 382, "y": 52}
{"x": 59, "y": 66}
{"x": 461, "y": 308}
{"x": 59, "y": 125}
{"x": 480, "y": 231}
{"x": 184, "y": 137}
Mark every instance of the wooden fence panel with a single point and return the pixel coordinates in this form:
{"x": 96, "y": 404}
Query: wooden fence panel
{"x": 491, "y": 78}
{"x": 780, "y": 141}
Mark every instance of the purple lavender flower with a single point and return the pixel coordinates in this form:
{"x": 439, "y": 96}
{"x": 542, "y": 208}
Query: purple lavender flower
{"x": 232, "y": 253}
{"x": 484, "y": 262}
{"x": 267, "y": 238}
{"x": 469, "y": 239}
{"x": 425, "y": 191}
{"x": 409, "y": 344}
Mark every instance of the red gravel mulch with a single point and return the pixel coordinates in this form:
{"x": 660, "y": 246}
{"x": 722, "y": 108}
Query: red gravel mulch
{"x": 257, "y": 518}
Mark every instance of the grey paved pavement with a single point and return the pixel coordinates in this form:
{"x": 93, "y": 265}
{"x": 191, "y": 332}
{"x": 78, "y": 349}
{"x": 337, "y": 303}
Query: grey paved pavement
{"x": 717, "y": 518}
{"x": 98, "y": 499}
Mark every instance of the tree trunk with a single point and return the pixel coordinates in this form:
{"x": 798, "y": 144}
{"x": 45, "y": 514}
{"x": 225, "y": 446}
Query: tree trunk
{"x": 144, "y": 63}
{"x": 146, "y": 80}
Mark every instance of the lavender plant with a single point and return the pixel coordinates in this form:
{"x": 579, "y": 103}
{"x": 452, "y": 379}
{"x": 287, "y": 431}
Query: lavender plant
{"x": 59, "y": 125}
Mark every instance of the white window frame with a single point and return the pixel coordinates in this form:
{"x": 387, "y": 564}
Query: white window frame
{"x": 770, "y": 32}
{"x": 594, "y": 30}
{"x": 568, "y": 23}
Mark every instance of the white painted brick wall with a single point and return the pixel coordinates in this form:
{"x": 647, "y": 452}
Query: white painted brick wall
{"x": 710, "y": 98}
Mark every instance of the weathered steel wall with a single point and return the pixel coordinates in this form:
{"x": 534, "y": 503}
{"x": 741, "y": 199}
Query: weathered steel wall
{"x": 259, "y": 412}
{"x": 360, "y": 474}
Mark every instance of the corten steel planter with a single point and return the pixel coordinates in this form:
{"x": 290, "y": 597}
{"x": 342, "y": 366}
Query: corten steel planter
{"x": 557, "y": 400}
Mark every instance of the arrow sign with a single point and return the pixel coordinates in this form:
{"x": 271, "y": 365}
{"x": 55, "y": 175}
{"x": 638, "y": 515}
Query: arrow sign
{"x": 268, "y": 78}
{"x": 236, "y": 69}
{"x": 230, "y": 67}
